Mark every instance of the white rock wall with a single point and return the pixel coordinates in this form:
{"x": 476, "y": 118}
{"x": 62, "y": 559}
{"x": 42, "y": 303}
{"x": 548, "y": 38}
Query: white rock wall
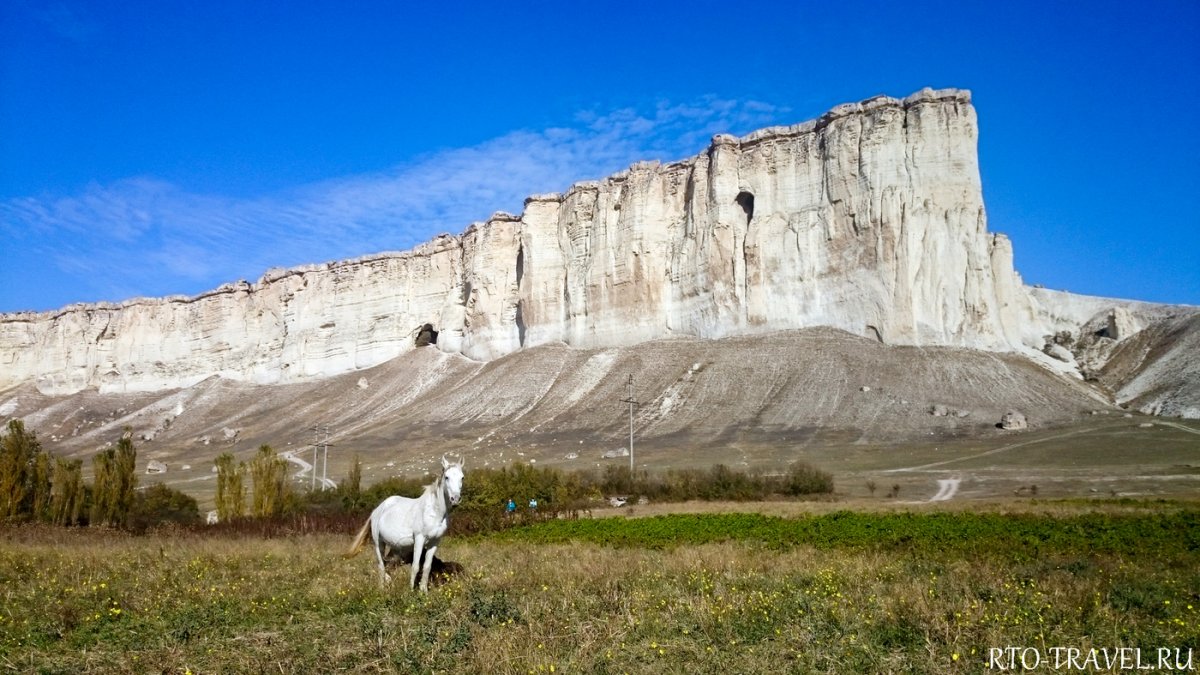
{"x": 292, "y": 325}
{"x": 869, "y": 219}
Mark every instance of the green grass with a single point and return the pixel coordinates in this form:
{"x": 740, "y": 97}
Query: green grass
{"x": 1013, "y": 535}
{"x": 837, "y": 593}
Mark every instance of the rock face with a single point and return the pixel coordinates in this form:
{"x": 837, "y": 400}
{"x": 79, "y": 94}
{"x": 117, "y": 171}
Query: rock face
{"x": 1142, "y": 354}
{"x": 869, "y": 219}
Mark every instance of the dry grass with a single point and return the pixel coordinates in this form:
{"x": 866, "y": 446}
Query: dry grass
{"x": 83, "y": 601}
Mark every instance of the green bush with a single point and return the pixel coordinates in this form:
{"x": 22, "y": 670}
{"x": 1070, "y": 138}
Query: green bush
{"x": 159, "y": 504}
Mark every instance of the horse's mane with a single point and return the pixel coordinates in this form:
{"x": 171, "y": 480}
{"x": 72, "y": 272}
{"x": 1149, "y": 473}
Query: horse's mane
{"x": 435, "y": 488}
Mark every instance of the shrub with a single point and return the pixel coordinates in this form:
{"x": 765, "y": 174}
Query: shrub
{"x": 160, "y": 504}
{"x": 805, "y": 479}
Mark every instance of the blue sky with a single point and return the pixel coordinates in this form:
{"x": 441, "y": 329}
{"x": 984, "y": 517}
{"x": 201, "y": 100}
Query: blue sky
{"x": 151, "y": 148}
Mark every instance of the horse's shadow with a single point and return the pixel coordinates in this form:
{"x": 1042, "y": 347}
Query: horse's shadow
{"x": 440, "y": 573}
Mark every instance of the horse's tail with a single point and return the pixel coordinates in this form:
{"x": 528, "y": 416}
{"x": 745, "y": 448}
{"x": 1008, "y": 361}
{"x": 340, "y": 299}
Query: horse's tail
{"x": 360, "y": 541}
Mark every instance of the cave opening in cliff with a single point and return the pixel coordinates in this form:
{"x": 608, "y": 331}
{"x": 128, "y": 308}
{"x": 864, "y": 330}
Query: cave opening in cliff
{"x": 520, "y": 321}
{"x": 426, "y": 335}
{"x": 746, "y": 201}
{"x": 520, "y": 263}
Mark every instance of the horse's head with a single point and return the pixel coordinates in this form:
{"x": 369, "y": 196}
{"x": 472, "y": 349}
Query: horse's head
{"x": 452, "y": 477}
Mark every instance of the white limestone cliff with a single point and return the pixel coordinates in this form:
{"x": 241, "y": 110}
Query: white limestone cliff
{"x": 869, "y": 219}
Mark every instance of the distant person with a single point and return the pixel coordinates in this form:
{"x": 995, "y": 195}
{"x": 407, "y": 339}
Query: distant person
{"x": 533, "y": 504}
{"x": 512, "y": 506}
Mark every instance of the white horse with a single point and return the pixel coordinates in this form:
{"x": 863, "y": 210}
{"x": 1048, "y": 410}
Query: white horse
{"x": 413, "y": 526}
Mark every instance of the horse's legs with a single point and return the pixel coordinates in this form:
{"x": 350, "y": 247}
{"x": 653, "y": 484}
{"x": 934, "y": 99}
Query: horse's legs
{"x": 427, "y": 566}
{"x": 418, "y": 547}
{"x": 384, "y": 577}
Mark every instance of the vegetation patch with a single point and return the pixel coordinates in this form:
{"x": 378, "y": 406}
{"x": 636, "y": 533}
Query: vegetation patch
{"x": 1009, "y": 535}
{"x": 84, "y": 599}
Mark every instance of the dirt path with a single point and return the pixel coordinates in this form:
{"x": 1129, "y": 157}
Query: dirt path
{"x": 305, "y": 468}
{"x": 1179, "y": 426}
{"x": 993, "y": 451}
{"x": 947, "y": 488}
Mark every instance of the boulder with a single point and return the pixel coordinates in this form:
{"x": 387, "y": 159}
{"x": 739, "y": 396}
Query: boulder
{"x": 1057, "y": 351}
{"x": 1014, "y": 421}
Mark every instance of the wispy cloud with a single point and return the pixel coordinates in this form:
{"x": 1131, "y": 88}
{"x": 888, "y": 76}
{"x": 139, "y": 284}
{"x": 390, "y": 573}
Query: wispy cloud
{"x": 143, "y": 236}
{"x": 67, "y": 22}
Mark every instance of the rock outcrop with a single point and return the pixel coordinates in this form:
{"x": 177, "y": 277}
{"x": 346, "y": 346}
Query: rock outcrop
{"x": 869, "y": 219}
{"x": 1142, "y": 354}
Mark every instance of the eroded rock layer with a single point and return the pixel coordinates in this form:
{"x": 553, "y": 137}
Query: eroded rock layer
{"x": 869, "y": 219}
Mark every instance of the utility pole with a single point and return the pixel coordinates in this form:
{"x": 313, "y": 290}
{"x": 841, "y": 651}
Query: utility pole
{"x": 632, "y": 404}
{"x": 325, "y": 462}
{"x": 313, "y": 472}
{"x": 321, "y": 444}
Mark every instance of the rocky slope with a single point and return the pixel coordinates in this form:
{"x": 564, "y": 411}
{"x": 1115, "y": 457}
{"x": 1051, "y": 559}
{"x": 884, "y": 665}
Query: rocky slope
{"x": 768, "y": 397}
{"x": 1145, "y": 356}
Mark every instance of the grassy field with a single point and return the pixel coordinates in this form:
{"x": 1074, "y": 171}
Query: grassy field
{"x": 894, "y": 590}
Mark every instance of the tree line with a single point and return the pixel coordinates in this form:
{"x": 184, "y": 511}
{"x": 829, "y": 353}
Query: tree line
{"x": 37, "y": 486}
{"x": 270, "y": 493}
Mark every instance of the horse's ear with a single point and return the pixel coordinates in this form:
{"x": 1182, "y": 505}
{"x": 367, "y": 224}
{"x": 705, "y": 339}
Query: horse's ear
{"x": 445, "y": 463}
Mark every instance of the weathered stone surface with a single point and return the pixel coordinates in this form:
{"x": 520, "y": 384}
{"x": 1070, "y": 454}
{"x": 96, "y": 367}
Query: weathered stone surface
{"x": 1142, "y": 353}
{"x": 869, "y": 219}
{"x": 1059, "y": 352}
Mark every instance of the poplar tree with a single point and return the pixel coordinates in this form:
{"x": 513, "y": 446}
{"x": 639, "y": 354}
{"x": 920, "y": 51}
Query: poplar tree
{"x": 39, "y": 480}
{"x": 231, "y": 499}
{"x": 125, "y": 479}
{"x": 19, "y": 450}
{"x": 102, "y": 486}
{"x": 351, "y": 487}
{"x": 115, "y": 470}
{"x": 269, "y": 473}
{"x": 67, "y": 492}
